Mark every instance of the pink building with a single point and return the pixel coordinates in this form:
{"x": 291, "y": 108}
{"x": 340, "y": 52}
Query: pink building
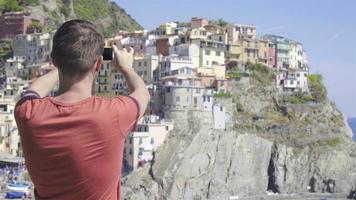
{"x": 13, "y": 24}
{"x": 272, "y": 62}
{"x": 199, "y": 22}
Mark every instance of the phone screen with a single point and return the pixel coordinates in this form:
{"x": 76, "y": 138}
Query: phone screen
{"x": 107, "y": 55}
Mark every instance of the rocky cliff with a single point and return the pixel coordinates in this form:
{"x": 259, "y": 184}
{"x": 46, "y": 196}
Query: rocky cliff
{"x": 104, "y": 13}
{"x": 269, "y": 144}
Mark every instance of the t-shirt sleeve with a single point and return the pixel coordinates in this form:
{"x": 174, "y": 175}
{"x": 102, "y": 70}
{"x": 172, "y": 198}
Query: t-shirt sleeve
{"x": 129, "y": 110}
{"x": 21, "y": 109}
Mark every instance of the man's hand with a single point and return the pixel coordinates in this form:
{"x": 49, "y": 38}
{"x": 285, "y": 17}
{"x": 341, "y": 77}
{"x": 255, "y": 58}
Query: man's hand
{"x": 122, "y": 59}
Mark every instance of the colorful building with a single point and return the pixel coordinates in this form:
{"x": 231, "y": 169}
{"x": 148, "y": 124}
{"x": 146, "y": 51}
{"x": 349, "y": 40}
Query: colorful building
{"x": 13, "y": 24}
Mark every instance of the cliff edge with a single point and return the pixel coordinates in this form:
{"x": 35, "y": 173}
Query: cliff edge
{"x": 285, "y": 144}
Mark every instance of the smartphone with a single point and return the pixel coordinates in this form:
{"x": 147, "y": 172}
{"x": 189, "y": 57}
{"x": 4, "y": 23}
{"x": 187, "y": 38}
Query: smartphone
{"x": 108, "y": 54}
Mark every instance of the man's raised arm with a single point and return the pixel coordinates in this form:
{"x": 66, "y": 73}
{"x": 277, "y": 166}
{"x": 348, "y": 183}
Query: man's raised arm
{"x": 123, "y": 61}
{"x": 44, "y": 84}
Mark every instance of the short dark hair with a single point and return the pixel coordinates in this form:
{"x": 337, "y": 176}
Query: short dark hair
{"x": 76, "y": 46}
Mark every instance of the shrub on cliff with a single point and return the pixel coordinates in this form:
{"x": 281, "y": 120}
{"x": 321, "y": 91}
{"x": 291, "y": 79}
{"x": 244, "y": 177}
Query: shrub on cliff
{"x": 317, "y": 88}
{"x": 261, "y": 73}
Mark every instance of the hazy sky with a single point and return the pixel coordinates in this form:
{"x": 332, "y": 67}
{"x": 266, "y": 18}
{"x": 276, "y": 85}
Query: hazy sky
{"x": 327, "y": 28}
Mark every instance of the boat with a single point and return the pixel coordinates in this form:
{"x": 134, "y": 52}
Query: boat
{"x": 18, "y": 187}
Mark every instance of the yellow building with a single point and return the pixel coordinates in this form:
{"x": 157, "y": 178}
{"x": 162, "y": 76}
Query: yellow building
{"x": 233, "y": 52}
{"x": 263, "y": 46}
{"x": 249, "y": 51}
{"x": 212, "y": 53}
{"x": 166, "y": 29}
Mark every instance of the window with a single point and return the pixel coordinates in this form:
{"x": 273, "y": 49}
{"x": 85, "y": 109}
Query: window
{"x": 152, "y": 140}
{"x": 167, "y": 128}
{"x": 298, "y": 82}
{"x": 130, "y": 140}
{"x": 298, "y": 75}
{"x": 207, "y": 62}
{"x": 187, "y": 89}
{"x": 195, "y": 100}
{"x": 139, "y": 64}
{"x": 145, "y": 63}
{"x": 197, "y": 90}
{"x": 207, "y": 52}
{"x": 177, "y": 99}
{"x": 221, "y": 108}
{"x": 140, "y": 141}
{"x": 218, "y": 53}
{"x": 168, "y": 90}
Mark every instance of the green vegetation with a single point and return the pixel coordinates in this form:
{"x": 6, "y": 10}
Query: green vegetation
{"x": 239, "y": 106}
{"x": 5, "y": 49}
{"x": 44, "y": 7}
{"x": 183, "y": 24}
{"x": 223, "y": 95}
{"x": 10, "y": 6}
{"x": 107, "y": 15}
{"x": 299, "y": 98}
{"x": 36, "y": 26}
{"x": 91, "y": 9}
{"x": 333, "y": 142}
{"x": 220, "y": 22}
{"x": 235, "y": 73}
{"x": 317, "y": 89}
{"x": 32, "y": 2}
{"x": 261, "y": 73}
{"x": 65, "y": 10}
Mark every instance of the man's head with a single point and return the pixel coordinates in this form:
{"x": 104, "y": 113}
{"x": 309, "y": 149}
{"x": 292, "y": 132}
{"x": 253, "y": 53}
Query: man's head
{"x": 77, "y": 48}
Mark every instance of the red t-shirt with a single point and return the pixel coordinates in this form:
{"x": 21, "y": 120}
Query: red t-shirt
{"x": 75, "y": 150}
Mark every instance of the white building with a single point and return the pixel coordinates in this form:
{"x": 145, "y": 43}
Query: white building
{"x": 295, "y": 80}
{"x": 208, "y": 100}
{"x": 192, "y": 51}
{"x": 182, "y": 92}
{"x": 14, "y": 66}
{"x": 238, "y": 32}
{"x": 173, "y": 62}
{"x": 219, "y": 116}
{"x": 33, "y": 48}
{"x": 145, "y": 66}
{"x": 9, "y": 137}
{"x": 297, "y": 56}
{"x": 140, "y": 145}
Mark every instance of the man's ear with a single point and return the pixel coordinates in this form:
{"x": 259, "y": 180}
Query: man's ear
{"x": 98, "y": 64}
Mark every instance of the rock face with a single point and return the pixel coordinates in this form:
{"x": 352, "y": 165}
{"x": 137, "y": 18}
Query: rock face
{"x": 266, "y": 146}
{"x": 107, "y": 15}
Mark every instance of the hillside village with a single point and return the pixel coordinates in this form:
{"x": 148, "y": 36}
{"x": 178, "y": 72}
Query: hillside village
{"x": 185, "y": 66}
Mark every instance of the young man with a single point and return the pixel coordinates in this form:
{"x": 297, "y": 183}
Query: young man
{"x": 73, "y": 143}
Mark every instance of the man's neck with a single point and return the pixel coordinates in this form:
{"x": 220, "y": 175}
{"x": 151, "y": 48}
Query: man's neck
{"x": 71, "y": 91}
